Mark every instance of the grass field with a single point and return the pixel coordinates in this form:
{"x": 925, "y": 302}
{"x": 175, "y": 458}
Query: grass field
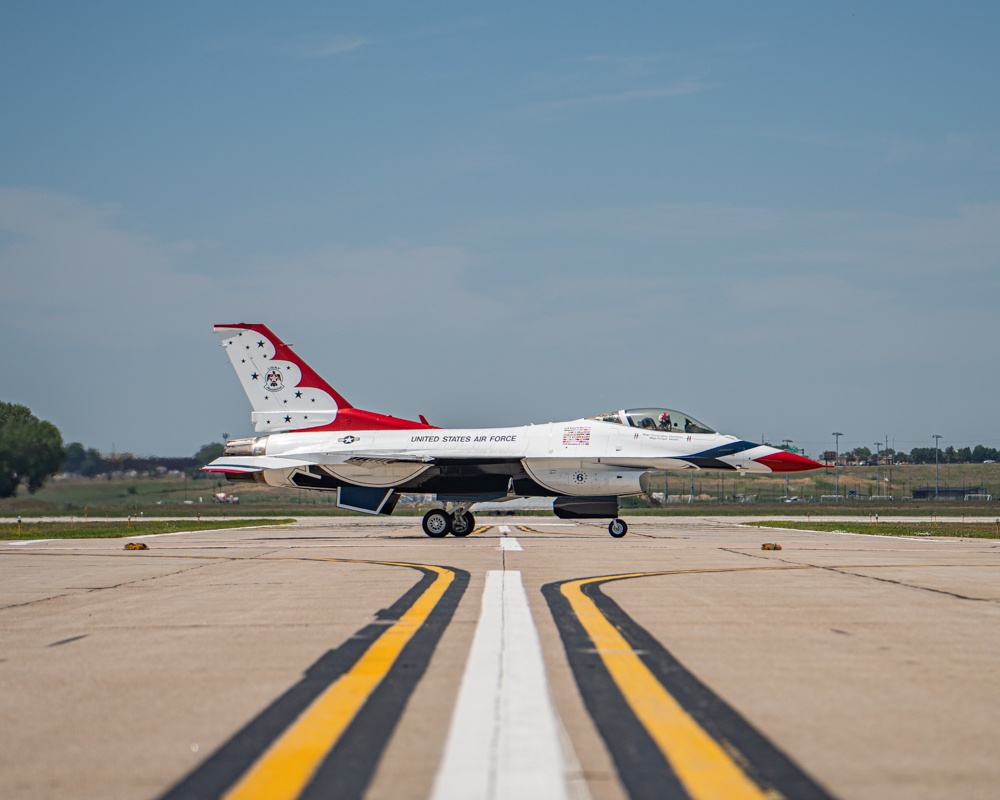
{"x": 100, "y": 529}
{"x": 970, "y": 530}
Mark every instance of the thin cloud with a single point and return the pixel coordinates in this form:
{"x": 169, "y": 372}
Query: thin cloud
{"x": 676, "y": 89}
{"x": 899, "y": 149}
{"x": 330, "y": 47}
{"x": 801, "y": 137}
{"x": 322, "y": 46}
{"x": 305, "y": 48}
{"x": 340, "y": 44}
{"x": 965, "y": 240}
{"x": 444, "y": 29}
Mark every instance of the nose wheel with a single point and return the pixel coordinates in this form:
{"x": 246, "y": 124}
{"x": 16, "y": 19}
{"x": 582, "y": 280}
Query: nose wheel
{"x": 617, "y": 528}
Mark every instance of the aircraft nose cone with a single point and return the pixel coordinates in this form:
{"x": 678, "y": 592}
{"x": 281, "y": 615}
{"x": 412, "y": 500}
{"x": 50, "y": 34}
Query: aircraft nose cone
{"x": 783, "y": 461}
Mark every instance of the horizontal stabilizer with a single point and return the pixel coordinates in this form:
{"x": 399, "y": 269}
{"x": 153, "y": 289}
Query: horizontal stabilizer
{"x": 244, "y": 464}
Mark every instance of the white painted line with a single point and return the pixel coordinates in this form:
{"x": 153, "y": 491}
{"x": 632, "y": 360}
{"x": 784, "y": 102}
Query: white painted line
{"x": 179, "y": 533}
{"x": 504, "y": 738}
{"x": 504, "y": 530}
{"x": 208, "y": 530}
{"x": 33, "y": 541}
{"x": 510, "y": 543}
{"x": 146, "y": 535}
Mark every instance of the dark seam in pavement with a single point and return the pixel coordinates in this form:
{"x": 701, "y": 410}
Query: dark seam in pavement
{"x": 67, "y": 641}
{"x": 846, "y": 571}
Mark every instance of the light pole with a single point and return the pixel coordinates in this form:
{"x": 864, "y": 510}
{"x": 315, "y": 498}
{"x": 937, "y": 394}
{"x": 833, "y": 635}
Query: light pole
{"x": 937, "y": 440}
{"x": 878, "y": 476}
{"x": 787, "y": 443}
{"x": 836, "y": 460}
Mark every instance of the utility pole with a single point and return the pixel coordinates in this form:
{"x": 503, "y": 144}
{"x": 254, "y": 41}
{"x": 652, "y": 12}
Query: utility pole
{"x": 892, "y": 461}
{"x": 836, "y": 460}
{"x": 937, "y": 486}
{"x": 878, "y": 476}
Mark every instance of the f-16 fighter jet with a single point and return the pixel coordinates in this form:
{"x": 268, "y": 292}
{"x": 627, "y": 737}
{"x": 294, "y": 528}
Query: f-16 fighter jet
{"x": 313, "y": 438}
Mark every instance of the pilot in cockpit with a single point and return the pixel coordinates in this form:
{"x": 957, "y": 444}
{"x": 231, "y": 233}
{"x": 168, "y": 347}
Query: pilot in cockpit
{"x": 665, "y": 421}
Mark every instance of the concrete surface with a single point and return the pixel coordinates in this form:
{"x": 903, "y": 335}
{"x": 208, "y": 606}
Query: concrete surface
{"x": 871, "y": 662}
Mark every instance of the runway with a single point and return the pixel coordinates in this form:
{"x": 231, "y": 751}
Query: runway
{"x": 353, "y": 657}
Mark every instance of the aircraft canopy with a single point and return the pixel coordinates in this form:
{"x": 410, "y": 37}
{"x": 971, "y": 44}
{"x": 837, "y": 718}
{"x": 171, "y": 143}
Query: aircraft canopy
{"x": 657, "y": 419}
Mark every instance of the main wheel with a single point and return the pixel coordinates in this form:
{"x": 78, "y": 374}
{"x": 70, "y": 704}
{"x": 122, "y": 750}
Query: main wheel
{"x": 436, "y": 523}
{"x": 617, "y": 528}
{"x": 462, "y": 524}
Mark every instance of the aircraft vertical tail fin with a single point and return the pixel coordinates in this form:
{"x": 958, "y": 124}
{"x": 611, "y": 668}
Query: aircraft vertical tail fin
{"x": 286, "y": 393}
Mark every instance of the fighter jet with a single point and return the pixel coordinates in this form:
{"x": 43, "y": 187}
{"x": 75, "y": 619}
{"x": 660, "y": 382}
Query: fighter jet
{"x": 311, "y": 437}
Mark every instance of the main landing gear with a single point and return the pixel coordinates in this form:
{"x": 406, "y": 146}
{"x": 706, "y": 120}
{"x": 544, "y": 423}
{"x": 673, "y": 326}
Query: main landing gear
{"x": 438, "y": 523}
{"x": 617, "y": 528}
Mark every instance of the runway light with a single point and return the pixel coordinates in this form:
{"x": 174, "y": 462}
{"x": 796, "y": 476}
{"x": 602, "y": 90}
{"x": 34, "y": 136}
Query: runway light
{"x": 770, "y": 546}
{"x": 136, "y": 546}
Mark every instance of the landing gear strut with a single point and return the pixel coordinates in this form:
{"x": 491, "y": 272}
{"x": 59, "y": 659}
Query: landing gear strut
{"x": 462, "y": 523}
{"x": 617, "y": 528}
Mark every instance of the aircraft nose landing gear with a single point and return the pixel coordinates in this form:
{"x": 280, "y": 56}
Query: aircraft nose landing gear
{"x": 617, "y": 528}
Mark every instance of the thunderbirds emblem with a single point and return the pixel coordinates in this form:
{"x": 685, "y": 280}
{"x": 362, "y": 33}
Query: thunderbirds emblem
{"x": 273, "y": 381}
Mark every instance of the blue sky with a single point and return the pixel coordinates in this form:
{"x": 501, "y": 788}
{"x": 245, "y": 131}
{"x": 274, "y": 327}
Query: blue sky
{"x": 781, "y": 218}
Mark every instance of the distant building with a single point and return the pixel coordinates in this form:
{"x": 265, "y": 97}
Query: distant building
{"x": 959, "y": 493}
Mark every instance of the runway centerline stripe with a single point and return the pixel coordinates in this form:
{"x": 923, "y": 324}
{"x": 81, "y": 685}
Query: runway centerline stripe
{"x": 504, "y": 735}
{"x": 325, "y": 735}
{"x": 670, "y": 735}
{"x": 510, "y": 543}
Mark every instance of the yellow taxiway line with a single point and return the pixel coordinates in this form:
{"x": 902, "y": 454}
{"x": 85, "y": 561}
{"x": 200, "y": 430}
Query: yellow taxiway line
{"x": 285, "y": 769}
{"x": 700, "y": 762}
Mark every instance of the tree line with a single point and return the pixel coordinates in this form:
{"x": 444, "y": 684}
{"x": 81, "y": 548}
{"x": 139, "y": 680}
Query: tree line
{"x": 918, "y": 455}
{"x": 949, "y": 455}
{"x": 31, "y": 450}
{"x": 90, "y": 463}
